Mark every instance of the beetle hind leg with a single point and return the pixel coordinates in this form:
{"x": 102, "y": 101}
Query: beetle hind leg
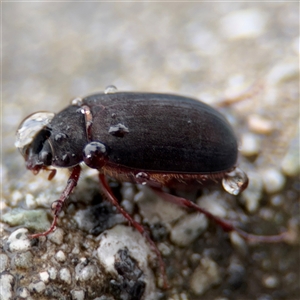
{"x": 225, "y": 224}
{"x": 110, "y": 196}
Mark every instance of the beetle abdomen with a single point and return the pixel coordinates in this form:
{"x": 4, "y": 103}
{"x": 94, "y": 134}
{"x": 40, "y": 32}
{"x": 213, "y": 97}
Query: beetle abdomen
{"x": 159, "y": 132}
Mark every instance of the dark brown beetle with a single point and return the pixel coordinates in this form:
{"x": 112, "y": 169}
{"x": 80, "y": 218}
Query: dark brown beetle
{"x": 155, "y": 139}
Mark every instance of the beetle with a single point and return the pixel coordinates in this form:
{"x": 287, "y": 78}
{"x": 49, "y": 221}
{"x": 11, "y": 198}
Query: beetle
{"x": 159, "y": 140}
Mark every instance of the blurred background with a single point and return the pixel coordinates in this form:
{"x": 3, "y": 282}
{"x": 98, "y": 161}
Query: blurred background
{"x": 54, "y": 52}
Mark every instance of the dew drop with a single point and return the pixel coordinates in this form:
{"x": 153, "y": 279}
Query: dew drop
{"x": 110, "y": 89}
{"x": 118, "y": 130}
{"x": 235, "y": 181}
{"x": 142, "y": 178}
{"x": 66, "y": 158}
{"x": 77, "y": 101}
{"x": 113, "y": 115}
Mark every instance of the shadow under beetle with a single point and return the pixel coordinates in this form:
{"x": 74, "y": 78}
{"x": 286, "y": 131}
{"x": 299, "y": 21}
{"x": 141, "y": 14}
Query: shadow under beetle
{"x": 158, "y": 140}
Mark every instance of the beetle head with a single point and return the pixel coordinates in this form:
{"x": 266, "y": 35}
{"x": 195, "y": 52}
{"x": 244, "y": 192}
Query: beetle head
{"x": 31, "y": 140}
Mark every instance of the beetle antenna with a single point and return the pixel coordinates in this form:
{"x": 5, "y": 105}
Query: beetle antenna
{"x": 110, "y": 196}
{"x": 58, "y": 204}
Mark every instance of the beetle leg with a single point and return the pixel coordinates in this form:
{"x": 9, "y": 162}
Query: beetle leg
{"x": 58, "y": 204}
{"x": 110, "y": 196}
{"x": 226, "y": 225}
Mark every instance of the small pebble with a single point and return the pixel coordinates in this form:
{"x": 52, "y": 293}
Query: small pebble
{"x": 6, "y": 284}
{"x": 35, "y": 219}
{"x": 277, "y": 200}
{"x": 270, "y": 281}
{"x": 250, "y": 144}
{"x": 247, "y": 23}
{"x": 260, "y": 125}
{"x": 23, "y": 260}
{"x": 189, "y": 228}
{"x": 18, "y": 240}
{"x": 37, "y": 287}
{"x": 44, "y": 276}
{"x": 273, "y": 180}
{"x": 206, "y": 275}
{"x": 239, "y": 243}
{"x": 52, "y": 273}
{"x": 57, "y": 236}
{"x": 213, "y": 203}
{"x": 3, "y": 262}
{"x": 77, "y": 294}
{"x": 65, "y": 275}
{"x": 23, "y": 293}
{"x": 282, "y": 72}
{"x": 120, "y": 237}
{"x": 154, "y": 209}
{"x": 60, "y": 256}
{"x": 253, "y": 194}
{"x": 85, "y": 273}
{"x": 290, "y": 164}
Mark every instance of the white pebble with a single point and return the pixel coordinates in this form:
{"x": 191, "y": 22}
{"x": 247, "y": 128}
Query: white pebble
{"x": 30, "y": 201}
{"x": 119, "y": 237}
{"x": 259, "y": 124}
{"x": 6, "y": 284}
{"x": 250, "y": 144}
{"x": 188, "y": 229}
{"x": 253, "y": 194}
{"x": 60, "y": 256}
{"x": 44, "y": 276}
{"x": 282, "y": 72}
{"x": 77, "y": 295}
{"x": 273, "y": 180}
{"x": 19, "y": 241}
{"x": 270, "y": 282}
{"x": 52, "y": 273}
{"x": 23, "y": 293}
{"x": 85, "y": 273}
{"x": 207, "y": 274}
{"x": 213, "y": 203}
{"x": 247, "y": 23}
{"x": 65, "y": 275}
{"x": 57, "y": 236}
{"x": 3, "y": 262}
{"x": 239, "y": 243}
{"x": 37, "y": 287}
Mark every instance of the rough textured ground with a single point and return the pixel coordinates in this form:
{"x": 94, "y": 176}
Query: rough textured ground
{"x": 53, "y": 52}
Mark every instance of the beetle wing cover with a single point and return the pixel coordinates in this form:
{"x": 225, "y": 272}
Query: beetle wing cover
{"x": 159, "y": 132}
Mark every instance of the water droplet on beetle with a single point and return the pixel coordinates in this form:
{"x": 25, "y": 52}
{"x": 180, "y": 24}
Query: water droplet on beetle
{"x": 60, "y": 136}
{"x": 77, "y": 101}
{"x": 118, "y": 130}
{"x": 110, "y": 89}
{"x": 142, "y": 178}
{"x": 65, "y": 158}
{"x": 235, "y": 181}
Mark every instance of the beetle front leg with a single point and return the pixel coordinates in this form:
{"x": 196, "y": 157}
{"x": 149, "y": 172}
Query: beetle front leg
{"x": 58, "y": 204}
{"x": 110, "y": 196}
{"x": 226, "y": 225}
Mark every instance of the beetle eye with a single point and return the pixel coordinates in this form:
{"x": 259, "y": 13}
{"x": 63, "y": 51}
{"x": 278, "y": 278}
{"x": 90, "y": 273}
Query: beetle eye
{"x": 46, "y": 158}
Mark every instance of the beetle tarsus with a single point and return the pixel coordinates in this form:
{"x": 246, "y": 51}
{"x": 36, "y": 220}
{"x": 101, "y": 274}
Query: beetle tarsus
{"x": 110, "y": 196}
